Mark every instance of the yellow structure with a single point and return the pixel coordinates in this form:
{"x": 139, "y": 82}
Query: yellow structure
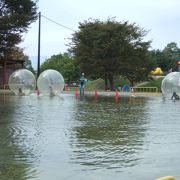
{"x": 166, "y": 178}
{"x": 157, "y": 71}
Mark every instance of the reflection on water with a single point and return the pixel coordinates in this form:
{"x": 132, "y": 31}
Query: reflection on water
{"x": 108, "y": 134}
{"x": 72, "y": 138}
{"x": 16, "y": 155}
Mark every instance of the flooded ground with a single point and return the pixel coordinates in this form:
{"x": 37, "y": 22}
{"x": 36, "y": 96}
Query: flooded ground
{"x": 68, "y": 138}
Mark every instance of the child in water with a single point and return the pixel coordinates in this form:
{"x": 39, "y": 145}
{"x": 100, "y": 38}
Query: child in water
{"x": 175, "y": 96}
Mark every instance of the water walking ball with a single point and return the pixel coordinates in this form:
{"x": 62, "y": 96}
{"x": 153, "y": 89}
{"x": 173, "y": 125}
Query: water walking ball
{"x": 50, "y": 82}
{"x": 171, "y": 84}
{"x": 22, "y": 82}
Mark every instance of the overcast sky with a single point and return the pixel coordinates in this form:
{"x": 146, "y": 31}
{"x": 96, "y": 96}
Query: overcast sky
{"x": 161, "y": 17}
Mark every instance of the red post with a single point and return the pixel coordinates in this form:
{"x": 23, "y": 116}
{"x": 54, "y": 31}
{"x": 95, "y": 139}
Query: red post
{"x": 96, "y": 93}
{"x": 117, "y": 95}
{"x": 76, "y": 92}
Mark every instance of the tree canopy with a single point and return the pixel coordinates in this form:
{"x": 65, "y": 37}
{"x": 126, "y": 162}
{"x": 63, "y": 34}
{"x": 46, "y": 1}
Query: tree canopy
{"x": 109, "y": 48}
{"x": 166, "y": 58}
{"x": 64, "y": 64}
{"x": 15, "y": 18}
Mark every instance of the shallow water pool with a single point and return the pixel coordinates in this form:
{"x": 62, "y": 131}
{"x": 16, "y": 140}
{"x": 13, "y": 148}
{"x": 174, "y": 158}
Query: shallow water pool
{"x": 68, "y": 138}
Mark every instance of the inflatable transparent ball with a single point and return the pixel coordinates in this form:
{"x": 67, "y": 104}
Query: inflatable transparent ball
{"x": 22, "y": 82}
{"x": 170, "y": 84}
{"x": 50, "y": 82}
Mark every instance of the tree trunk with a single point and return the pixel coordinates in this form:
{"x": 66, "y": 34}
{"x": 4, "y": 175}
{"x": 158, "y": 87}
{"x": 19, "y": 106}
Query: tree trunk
{"x": 131, "y": 81}
{"x": 106, "y": 82}
{"x": 111, "y": 81}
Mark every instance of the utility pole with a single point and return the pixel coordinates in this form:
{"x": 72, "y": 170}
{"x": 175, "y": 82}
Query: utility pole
{"x": 39, "y": 46}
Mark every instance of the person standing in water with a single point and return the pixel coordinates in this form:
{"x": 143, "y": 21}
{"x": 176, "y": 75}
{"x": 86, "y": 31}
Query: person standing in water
{"x": 82, "y": 84}
{"x": 20, "y": 93}
{"x": 175, "y": 96}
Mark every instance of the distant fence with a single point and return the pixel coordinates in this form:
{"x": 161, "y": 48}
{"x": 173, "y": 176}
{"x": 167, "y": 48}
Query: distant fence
{"x": 145, "y": 89}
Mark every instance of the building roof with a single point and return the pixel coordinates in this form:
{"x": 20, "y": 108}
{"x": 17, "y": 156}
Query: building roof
{"x": 9, "y": 62}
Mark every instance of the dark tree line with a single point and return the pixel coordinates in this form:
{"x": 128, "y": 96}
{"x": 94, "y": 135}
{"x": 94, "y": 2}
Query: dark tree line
{"x": 107, "y": 49}
{"x": 100, "y": 49}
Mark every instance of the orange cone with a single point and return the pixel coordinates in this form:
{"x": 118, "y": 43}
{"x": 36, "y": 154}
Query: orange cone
{"x": 96, "y": 93}
{"x": 117, "y": 95}
{"x": 76, "y": 92}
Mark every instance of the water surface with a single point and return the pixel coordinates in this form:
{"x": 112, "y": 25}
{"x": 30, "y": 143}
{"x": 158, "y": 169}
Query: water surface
{"x": 68, "y": 138}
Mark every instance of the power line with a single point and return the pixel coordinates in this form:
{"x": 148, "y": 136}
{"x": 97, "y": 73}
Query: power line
{"x": 58, "y": 23}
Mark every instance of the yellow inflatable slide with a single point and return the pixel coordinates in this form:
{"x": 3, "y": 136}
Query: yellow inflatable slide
{"x": 157, "y": 71}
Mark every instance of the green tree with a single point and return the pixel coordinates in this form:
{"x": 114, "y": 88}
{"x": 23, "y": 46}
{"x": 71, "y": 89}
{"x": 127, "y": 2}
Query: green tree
{"x": 15, "y": 18}
{"x": 106, "y": 48}
{"x": 19, "y": 55}
{"x": 64, "y": 64}
{"x": 166, "y": 59}
{"x": 158, "y": 57}
{"x": 28, "y": 64}
{"x": 138, "y": 64}
{"x": 171, "y": 53}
